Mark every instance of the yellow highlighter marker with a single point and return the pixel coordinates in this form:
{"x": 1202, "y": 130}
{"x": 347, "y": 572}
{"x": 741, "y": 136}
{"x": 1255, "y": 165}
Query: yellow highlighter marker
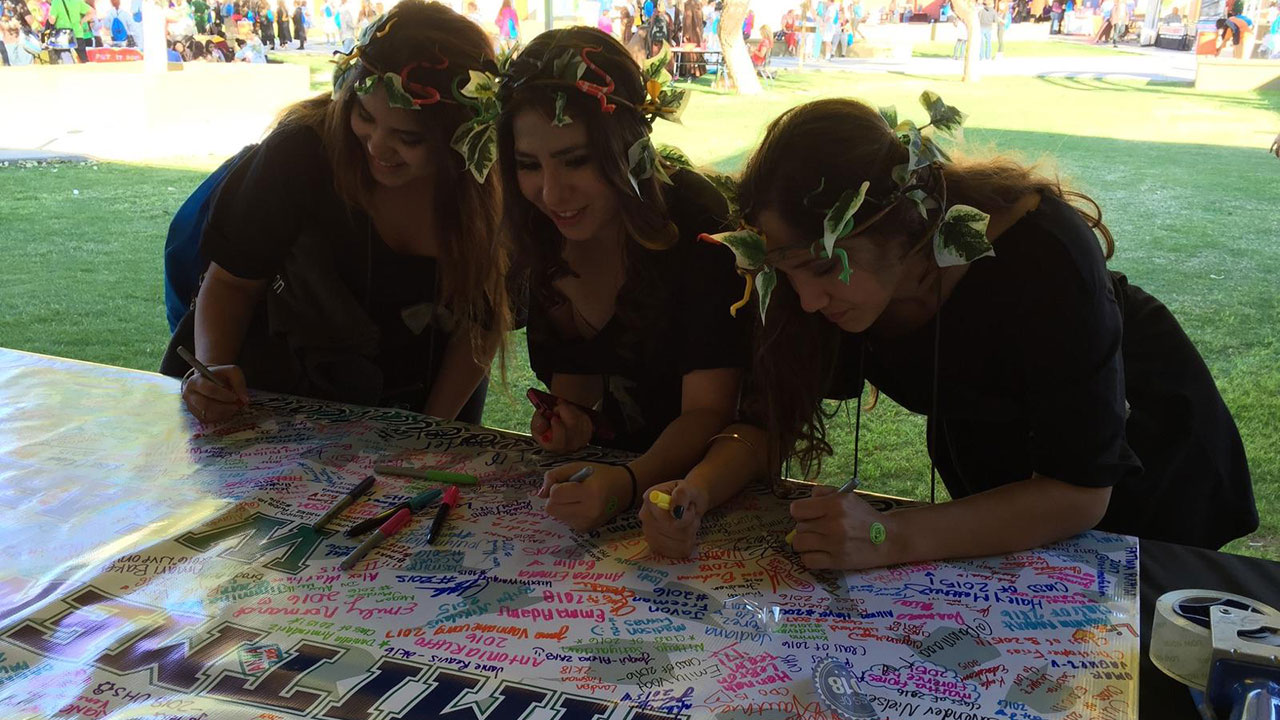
{"x": 661, "y": 499}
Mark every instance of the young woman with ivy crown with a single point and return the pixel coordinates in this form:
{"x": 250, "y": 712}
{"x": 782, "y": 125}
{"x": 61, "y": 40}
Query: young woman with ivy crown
{"x": 1059, "y": 397}
{"x": 355, "y": 254}
{"x": 607, "y": 243}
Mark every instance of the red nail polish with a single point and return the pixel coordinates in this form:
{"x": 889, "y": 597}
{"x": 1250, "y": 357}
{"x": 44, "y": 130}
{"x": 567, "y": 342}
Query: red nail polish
{"x": 546, "y": 436}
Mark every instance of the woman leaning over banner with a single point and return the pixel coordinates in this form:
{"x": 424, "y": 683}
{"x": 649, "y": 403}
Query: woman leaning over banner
{"x": 354, "y": 253}
{"x": 606, "y": 236}
{"x": 1059, "y": 397}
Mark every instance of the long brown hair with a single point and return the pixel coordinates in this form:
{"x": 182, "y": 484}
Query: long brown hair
{"x": 530, "y": 84}
{"x": 472, "y": 254}
{"x": 810, "y": 155}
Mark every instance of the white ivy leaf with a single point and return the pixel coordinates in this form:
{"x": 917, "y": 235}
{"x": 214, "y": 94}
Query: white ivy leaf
{"x": 962, "y": 236}
{"x": 766, "y": 281}
{"x": 839, "y": 219}
{"x": 480, "y": 85}
{"x": 747, "y": 246}
{"x": 919, "y": 197}
{"x": 396, "y": 95}
{"x": 561, "y": 119}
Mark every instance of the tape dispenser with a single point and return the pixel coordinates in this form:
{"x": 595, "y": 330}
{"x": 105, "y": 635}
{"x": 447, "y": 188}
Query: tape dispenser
{"x": 1225, "y": 646}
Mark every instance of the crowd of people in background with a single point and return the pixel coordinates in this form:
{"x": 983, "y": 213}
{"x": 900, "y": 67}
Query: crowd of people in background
{"x": 245, "y": 30}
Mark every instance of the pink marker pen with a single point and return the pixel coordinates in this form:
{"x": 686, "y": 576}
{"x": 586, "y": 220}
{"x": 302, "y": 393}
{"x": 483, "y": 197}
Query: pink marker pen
{"x": 389, "y": 528}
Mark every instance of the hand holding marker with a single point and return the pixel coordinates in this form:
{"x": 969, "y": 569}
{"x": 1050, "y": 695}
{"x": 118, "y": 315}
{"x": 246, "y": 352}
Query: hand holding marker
{"x": 876, "y": 530}
{"x": 663, "y": 500}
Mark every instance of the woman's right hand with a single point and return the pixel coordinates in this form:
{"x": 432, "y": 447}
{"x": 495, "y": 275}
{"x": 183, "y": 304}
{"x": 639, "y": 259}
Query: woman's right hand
{"x": 210, "y": 403}
{"x": 565, "y": 429}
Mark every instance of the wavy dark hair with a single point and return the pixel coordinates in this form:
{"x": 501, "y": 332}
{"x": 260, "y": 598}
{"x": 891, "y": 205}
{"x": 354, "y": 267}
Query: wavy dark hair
{"x": 471, "y": 248}
{"x": 531, "y": 84}
{"x": 845, "y": 142}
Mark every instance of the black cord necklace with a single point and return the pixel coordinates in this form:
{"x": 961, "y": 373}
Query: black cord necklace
{"x": 932, "y": 420}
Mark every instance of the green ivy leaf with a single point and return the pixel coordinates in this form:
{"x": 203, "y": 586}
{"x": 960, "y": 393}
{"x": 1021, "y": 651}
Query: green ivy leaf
{"x": 839, "y": 219}
{"x": 931, "y": 151}
{"x": 366, "y": 86}
{"x": 942, "y": 116}
{"x": 675, "y": 157}
{"x": 655, "y": 68}
{"x": 890, "y": 115}
{"x": 962, "y": 236}
{"x": 477, "y": 142}
{"x": 747, "y": 246}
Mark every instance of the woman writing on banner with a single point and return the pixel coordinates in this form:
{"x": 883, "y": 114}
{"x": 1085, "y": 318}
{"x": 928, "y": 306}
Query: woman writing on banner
{"x": 1059, "y": 397}
{"x": 354, "y": 253}
{"x": 617, "y": 281}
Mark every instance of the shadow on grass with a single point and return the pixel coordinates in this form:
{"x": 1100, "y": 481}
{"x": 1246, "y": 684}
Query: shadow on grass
{"x": 1257, "y": 100}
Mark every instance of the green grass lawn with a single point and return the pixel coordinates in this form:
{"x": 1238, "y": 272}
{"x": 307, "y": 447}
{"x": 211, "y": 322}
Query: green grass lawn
{"x": 944, "y": 46}
{"x": 1183, "y": 177}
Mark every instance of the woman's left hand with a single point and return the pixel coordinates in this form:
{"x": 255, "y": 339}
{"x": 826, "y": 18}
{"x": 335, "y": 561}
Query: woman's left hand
{"x": 835, "y": 533}
{"x": 588, "y": 504}
{"x": 668, "y": 534}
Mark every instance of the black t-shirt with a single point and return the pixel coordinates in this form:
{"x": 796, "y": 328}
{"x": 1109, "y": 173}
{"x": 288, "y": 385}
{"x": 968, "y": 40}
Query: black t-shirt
{"x": 374, "y": 335}
{"x": 642, "y": 357}
{"x": 1040, "y": 346}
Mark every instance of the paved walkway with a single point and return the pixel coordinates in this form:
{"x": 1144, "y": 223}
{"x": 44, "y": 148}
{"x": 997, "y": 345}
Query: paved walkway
{"x": 222, "y": 125}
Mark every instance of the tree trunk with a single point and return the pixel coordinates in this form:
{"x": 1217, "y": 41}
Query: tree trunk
{"x": 967, "y": 10}
{"x": 737, "y": 62}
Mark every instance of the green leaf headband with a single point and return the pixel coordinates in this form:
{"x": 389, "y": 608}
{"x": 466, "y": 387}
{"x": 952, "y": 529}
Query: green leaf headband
{"x": 475, "y": 140}
{"x": 569, "y": 70}
{"x": 959, "y": 238}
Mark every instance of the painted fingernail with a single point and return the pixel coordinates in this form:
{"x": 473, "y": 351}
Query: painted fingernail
{"x": 677, "y": 512}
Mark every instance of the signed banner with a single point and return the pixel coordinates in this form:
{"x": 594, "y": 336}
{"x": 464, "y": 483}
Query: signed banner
{"x": 157, "y": 568}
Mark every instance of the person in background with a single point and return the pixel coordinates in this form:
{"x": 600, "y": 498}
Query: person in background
{"x": 115, "y": 25}
{"x": 17, "y": 21}
{"x": 1119, "y": 22}
{"x": 1004, "y": 19}
{"x": 348, "y": 24}
{"x": 266, "y": 22}
{"x": 962, "y": 38}
{"x": 694, "y": 23}
{"x": 73, "y": 15}
{"x": 508, "y": 23}
{"x": 251, "y": 50}
{"x": 176, "y": 52}
{"x": 789, "y": 36}
{"x": 987, "y": 26}
{"x": 1055, "y": 17}
{"x": 748, "y": 24}
{"x": 200, "y": 13}
{"x": 626, "y": 23}
{"x": 330, "y": 22}
{"x": 1232, "y": 30}
{"x": 282, "y": 24}
{"x": 300, "y": 23}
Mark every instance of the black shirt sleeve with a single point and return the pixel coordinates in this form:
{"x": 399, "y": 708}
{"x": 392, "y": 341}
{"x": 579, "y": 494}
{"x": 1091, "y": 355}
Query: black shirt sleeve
{"x": 265, "y": 201}
{"x": 1075, "y": 391}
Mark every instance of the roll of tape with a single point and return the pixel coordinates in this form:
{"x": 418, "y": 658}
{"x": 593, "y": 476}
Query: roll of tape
{"x": 1181, "y": 644}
